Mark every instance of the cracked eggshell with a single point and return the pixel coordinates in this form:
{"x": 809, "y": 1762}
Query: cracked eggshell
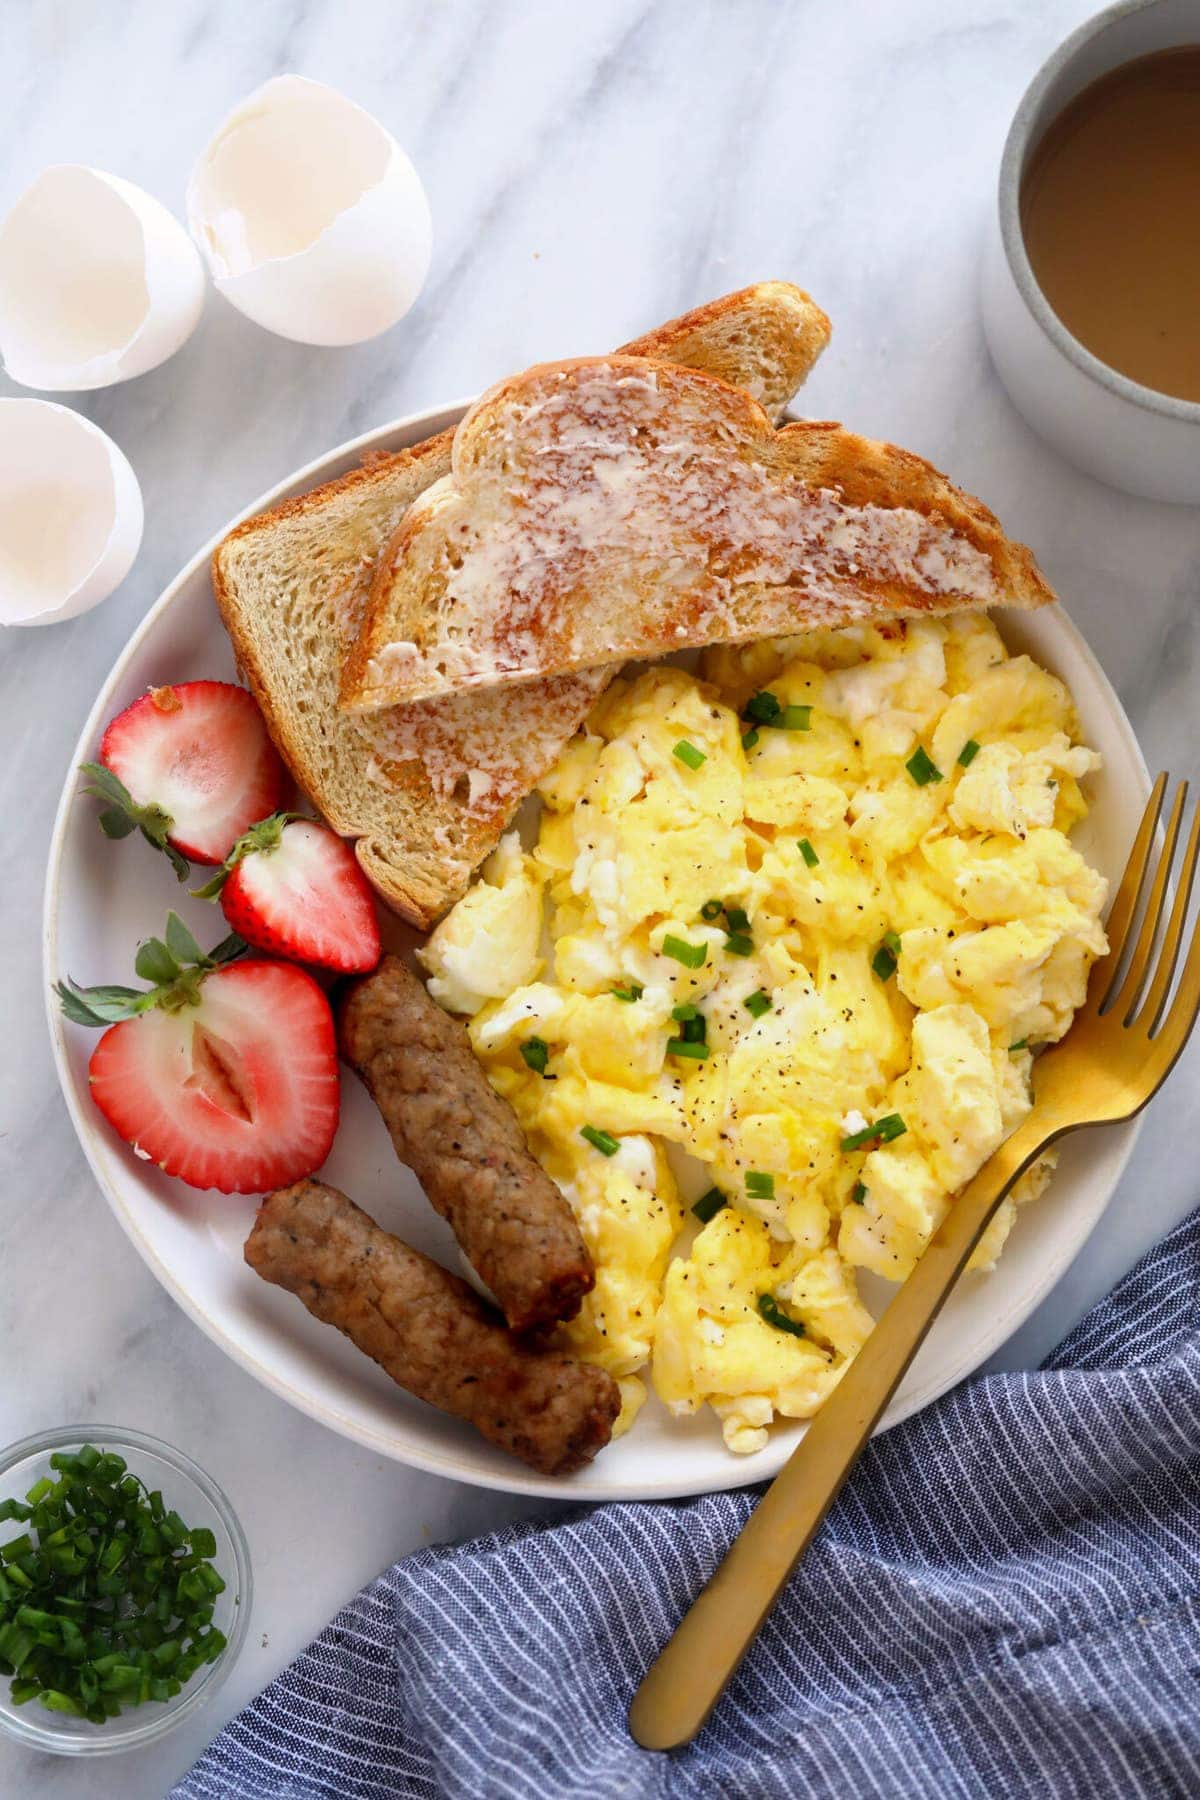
{"x": 313, "y": 220}
{"x": 70, "y": 513}
{"x": 97, "y": 282}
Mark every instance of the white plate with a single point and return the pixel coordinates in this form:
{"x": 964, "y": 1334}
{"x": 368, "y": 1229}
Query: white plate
{"x": 101, "y": 898}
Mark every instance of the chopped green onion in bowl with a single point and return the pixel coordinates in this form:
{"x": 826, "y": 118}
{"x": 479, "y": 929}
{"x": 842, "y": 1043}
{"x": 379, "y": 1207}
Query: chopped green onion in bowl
{"x": 125, "y": 1589}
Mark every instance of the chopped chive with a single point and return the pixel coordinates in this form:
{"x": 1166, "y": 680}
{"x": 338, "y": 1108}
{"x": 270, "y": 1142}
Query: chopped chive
{"x": 770, "y": 1310}
{"x": 739, "y": 943}
{"x": 695, "y": 1025}
{"x": 922, "y": 768}
{"x": 883, "y": 963}
{"x": 688, "y": 753}
{"x": 535, "y": 1053}
{"x": 881, "y": 1132}
{"x": 692, "y": 1047}
{"x": 858, "y": 1193}
{"x": 738, "y": 919}
{"x": 760, "y": 1186}
{"x": 107, "y": 1600}
{"x": 712, "y": 909}
{"x": 1021, "y": 1044}
{"x": 891, "y": 941}
{"x": 764, "y": 708}
{"x": 692, "y": 956}
{"x": 968, "y": 753}
{"x": 709, "y": 1205}
{"x": 808, "y": 853}
{"x": 632, "y": 990}
{"x": 757, "y": 1004}
{"x": 749, "y": 738}
{"x": 795, "y": 718}
{"x": 603, "y": 1141}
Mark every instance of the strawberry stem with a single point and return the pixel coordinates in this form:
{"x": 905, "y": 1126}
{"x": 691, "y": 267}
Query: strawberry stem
{"x": 260, "y": 840}
{"x": 174, "y": 964}
{"x": 122, "y": 814}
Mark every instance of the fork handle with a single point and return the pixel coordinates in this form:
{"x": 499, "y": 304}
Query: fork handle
{"x": 689, "y": 1675}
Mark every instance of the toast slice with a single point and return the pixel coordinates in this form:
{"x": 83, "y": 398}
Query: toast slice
{"x": 427, "y": 790}
{"x": 615, "y": 508}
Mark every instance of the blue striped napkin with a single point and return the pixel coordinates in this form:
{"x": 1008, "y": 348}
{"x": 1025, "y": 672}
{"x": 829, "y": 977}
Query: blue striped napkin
{"x": 1005, "y": 1602}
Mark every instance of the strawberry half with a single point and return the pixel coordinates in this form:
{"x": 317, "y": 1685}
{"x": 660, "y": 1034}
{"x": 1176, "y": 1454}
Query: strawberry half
{"x": 224, "y": 1073}
{"x": 295, "y": 888}
{"x": 191, "y": 767}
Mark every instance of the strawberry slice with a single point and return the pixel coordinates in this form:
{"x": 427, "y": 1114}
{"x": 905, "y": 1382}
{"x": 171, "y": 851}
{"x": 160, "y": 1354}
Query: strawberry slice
{"x": 295, "y": 888}
{"x": 191, "y": 767}
{"x": 223, "y": 1073}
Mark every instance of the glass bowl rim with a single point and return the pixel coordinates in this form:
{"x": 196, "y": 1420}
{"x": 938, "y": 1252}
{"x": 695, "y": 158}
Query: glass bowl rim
{"x": 30, "y": 1731}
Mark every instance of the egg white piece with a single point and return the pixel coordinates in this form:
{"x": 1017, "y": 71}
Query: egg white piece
{"x": 313, "y": 221}
{"x": 98, "y": 282}
{"x": 70, "y": 513}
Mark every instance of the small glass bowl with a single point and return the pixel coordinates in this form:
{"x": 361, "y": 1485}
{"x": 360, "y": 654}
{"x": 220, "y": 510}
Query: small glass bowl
{"x": 198, "y": 1500}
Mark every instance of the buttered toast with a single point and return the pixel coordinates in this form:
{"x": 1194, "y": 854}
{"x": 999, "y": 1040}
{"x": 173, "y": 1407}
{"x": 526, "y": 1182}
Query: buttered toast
{"x": 426, "y": 790}
{"x": 612, "y": 508}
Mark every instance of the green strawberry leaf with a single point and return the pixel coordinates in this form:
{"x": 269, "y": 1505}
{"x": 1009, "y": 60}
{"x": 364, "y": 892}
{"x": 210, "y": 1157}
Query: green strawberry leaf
{"x": 155, "y": 963}
{"x": 100, "y": 1005}
{"x": 115, "y": 823}
{"x": 228, "y": 950}
{"x": 178, "y": 862}
{"x": 180, "y": 942}
{"x": 176, "y": 967}
{"x": 122, "y": 814}
{"x": 212, "y": 888}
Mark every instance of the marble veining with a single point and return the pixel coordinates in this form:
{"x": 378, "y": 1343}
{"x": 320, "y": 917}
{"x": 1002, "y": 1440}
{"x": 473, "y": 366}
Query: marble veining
{"x": 592, "y": 171}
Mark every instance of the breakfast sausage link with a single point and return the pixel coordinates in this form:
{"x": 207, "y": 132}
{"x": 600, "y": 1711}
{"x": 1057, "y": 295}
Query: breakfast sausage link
{"x": 430, "y": 1331}
{"x": 463, "y": 1142}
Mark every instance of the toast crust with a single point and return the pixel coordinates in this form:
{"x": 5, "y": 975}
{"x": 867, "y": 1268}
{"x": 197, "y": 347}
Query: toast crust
{"x": 616, "y": 507}
{"x": 426, "y": 791}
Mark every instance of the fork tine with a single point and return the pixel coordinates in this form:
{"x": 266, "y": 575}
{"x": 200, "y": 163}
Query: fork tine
{"x": 1124, "y": 906}
{"x": 1151, "y": 1013}
{"x": 1176, "y": 1027}
{"x": 1139, "y": 963}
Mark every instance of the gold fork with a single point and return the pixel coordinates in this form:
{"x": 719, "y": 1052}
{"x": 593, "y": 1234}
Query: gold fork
{"x": 1119, "y": 1051}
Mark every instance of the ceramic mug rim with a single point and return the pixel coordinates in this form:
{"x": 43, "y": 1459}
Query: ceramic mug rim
{"x": 1015, "y": 147}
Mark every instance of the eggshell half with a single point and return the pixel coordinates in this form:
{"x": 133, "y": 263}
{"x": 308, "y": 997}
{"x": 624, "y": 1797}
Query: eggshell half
{"x": 313, "y": 220}
{"x": 97, "y": 282}
{"x": 70, "y": 513}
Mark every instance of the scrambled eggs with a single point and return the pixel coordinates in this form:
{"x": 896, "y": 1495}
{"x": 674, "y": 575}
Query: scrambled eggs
{"x": 779, "y": 958}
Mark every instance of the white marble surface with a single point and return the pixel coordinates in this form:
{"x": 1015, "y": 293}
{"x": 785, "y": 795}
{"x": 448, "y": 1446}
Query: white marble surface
{"x": 592, "y": 170}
